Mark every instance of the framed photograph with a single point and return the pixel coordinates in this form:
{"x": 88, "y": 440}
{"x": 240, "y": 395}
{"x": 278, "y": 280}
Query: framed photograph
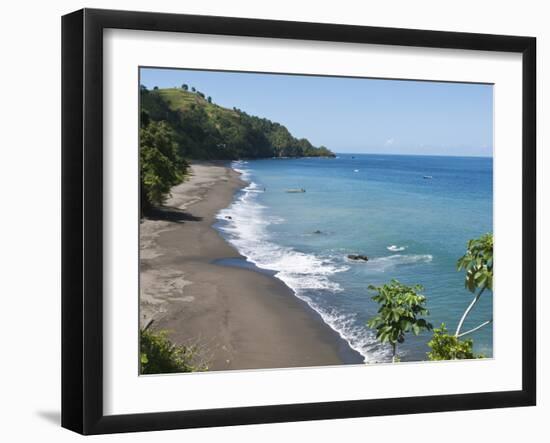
{"x": 269, "y": 221}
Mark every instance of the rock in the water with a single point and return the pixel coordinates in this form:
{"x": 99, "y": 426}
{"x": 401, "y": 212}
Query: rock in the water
{"x": 317, "y": 232}
{"x": 358, "y": 257}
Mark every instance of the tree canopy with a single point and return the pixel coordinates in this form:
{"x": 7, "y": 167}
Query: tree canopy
{"x": 399, "y": 309}
{"x": 478, "y": 263}
{"x": 161, "y": 166}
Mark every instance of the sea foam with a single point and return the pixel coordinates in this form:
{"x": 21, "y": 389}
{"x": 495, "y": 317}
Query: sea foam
{"x": 395, "y": 248}
{"x": 383, "y": 264}
{"x": 244, "y": 224}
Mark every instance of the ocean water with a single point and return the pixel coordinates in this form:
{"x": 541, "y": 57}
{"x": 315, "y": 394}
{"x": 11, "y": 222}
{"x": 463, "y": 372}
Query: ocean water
{"x": 412, "y": 228}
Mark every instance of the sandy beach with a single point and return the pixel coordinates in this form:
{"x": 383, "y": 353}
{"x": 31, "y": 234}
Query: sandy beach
{"x": 238, "y": 318}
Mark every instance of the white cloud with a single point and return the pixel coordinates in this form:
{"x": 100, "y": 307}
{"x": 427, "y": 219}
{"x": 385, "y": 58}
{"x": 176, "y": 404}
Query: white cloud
{"x": 389, "y": 141}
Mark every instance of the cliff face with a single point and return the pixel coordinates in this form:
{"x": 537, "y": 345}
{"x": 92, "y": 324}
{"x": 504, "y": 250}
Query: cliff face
{"x": 204, "y": 130}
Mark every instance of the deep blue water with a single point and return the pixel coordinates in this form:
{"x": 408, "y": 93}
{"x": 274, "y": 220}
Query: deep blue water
{"x": 365, "y": 204}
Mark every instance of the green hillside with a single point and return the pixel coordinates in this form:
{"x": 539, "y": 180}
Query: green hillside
{"x": 204, "y": 130}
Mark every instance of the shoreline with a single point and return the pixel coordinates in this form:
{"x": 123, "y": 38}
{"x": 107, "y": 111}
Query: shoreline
{"x": 347, "y": 354}
{"x": 239, "y": 318}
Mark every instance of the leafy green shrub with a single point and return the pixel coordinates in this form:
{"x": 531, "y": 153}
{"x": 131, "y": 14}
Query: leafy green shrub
{"x": 158, "y": 355}
{"x": 161, "y": 165}
{"x": 400, "y": 306}
{"x": 449, "y": 347}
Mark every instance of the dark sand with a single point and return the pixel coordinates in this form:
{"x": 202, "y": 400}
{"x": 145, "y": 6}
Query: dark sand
{"x": 239, "y": 318}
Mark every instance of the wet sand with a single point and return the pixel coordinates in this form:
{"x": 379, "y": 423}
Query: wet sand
{"x": 238, "y": 318}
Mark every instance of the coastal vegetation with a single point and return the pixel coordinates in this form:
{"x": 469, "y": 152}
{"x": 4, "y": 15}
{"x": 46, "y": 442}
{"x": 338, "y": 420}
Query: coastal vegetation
{"x": 158, "y": 355}
{"x": 400, "y": 305}
{"x": 449, "y": 347}
{"x": 161, "y": 164}
{"x": 398, "y": 314}
{"x": 178, "y": 125}
{"x": 204, "y": 130}
{"x": 478, "y": 264}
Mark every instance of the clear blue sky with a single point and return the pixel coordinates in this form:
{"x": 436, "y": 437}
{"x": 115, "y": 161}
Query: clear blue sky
{"x": 355, "y": 115}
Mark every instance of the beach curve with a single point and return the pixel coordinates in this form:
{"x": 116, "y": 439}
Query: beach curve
{"x": 240, "y": 318}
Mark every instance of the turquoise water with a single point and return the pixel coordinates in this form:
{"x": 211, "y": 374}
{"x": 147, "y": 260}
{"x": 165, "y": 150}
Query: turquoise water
{"x": 411, "y": 227}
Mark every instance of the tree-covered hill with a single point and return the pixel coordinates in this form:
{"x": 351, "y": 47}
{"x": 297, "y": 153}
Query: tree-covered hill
{"x": 204, "y": 130}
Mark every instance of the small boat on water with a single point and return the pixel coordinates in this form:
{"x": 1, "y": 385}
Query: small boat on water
{"x": 428, "y": 177}
{"x": 295, "y": 191}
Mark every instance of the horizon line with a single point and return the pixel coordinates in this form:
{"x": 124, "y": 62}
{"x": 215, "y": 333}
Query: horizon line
{"x": 415, "y": 155}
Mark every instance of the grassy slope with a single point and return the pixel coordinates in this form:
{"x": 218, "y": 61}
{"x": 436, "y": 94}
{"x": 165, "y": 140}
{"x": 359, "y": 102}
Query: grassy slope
{"x": 180, "y": 100}
{"x": 231, "y": 124}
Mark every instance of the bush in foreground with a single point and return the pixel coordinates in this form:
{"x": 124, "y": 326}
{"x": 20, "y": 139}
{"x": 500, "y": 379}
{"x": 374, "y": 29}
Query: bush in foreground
{"x": 450, "y": 347}
{"x": 158, "y": 355}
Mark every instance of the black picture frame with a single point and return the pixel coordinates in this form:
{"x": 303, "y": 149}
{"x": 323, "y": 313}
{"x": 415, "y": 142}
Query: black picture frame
{"x": 82, "y": 218}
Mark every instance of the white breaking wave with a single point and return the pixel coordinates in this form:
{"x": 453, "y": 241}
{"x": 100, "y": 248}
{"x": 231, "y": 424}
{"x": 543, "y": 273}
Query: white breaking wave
{"x": 357, "y": 336}
{"x": 245, "y": 224}
{"x": 395, "y": 248}
{"x": 385, "y": 263}
{"x": 245, "y": 227}
{"x": 237, "y": 165}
